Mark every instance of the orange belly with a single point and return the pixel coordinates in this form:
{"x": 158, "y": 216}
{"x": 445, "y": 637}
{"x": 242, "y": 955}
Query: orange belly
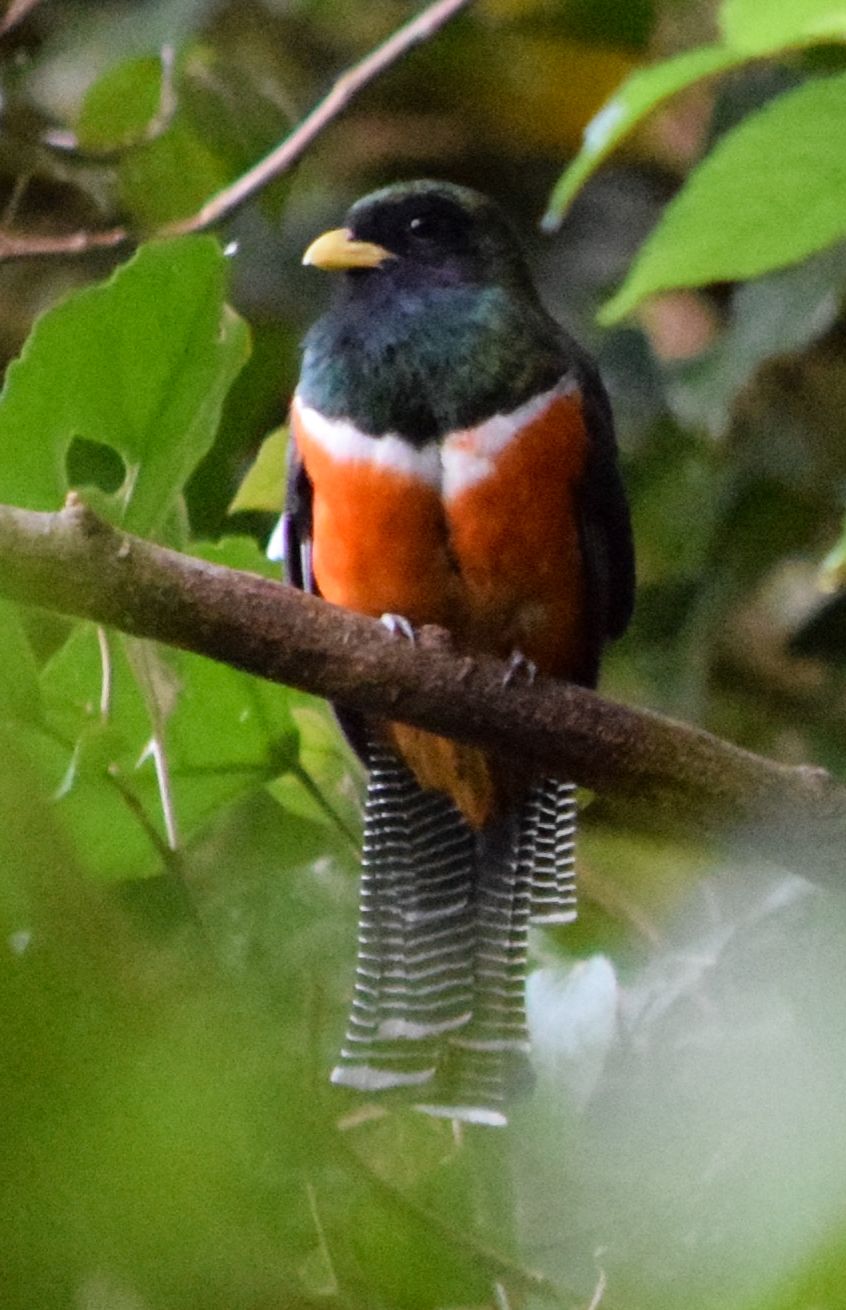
{"x": 379, "y": 537}
{"x": 515, "y": 535}
{"x": 498, "y": 563}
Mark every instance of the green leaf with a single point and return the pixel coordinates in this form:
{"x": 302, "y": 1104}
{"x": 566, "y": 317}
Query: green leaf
{"x": 19, "y": 692}
{"x": 262, "y": 486}
{"x": 639, "y": 96}
{"x": 223, "y": 734}
{"x": 170, "y": 176}
{"x": 322, "y": 786}
{"x": 236, "y": 553}
{"x": 760, "y": 27}
{"x": 770, "y": 193}
{"x": 108, "y": 805}
{"x": 120, "y": 106}
{"x": 833, "y": 567}
{"x": 751, "y": 28}
{"x": 179, "y": 148}
{"x": 229, "y": 734}
{"x": 141, "y": 364}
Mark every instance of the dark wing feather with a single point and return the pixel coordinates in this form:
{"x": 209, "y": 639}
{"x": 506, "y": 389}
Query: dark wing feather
{"x": 604, "y": 527}
{"x": 296, "y": 522}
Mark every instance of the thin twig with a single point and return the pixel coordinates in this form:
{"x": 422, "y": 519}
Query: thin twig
{"x": 598, "y": 1292}
{"x": 497, "y": 1265}
{"x": 308, "y": 784}
{"x": 19, "y": 245}
{"x": 16, "y": 12}
{"x": 420, "y": 29}
{"x": 653, "y": 773}
{"x": 105, "y": 671}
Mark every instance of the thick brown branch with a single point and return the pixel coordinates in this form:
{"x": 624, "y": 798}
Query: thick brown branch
{"x": 658, "y": 774}
{"x": 20, "y": 245}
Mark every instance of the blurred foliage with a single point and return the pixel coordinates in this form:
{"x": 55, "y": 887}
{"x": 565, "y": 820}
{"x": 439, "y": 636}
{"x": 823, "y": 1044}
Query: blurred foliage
{"x": 178, "y": 843}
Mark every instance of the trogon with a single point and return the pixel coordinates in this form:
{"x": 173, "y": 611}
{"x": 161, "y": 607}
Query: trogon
{"x": 453, "y": 462}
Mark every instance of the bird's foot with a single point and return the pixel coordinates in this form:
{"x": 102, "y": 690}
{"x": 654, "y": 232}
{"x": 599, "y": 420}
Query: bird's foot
{"x": 398, "y": 626}
{"x": 519, "y": 667}
{"x": 433, "y": 637}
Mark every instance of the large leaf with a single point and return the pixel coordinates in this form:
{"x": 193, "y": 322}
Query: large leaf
{"x": 833, "y": 567}
{"x": 141, "y": 364}
{"x": 750, "y": 29}
{"x": 180, "y": 140}
{"x": 770, "y": 193}
{"x": 121, "y": 105}
{"x": 758, "y": 27}
{"x": 644, "y": 92}
{"x": 19, "y": 693}
{"x": 263, "y": 484}
{"x": 223, "y": 734}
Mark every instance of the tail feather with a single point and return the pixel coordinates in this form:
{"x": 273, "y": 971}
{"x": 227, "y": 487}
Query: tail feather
{"x": 486, "y": 1064}
{"x": 547, "y": 846}
{"x": 439, "y": 998}
{"x": 414, "y": 971}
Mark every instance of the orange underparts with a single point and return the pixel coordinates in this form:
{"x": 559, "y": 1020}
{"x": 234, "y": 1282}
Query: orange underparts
{"x": 499, "y": 565}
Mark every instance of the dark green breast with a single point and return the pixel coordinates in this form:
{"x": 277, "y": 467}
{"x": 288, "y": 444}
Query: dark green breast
{"x": 422, "y": 360}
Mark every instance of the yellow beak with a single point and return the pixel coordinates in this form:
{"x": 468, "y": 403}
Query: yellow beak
{"x": 339, "y": 249}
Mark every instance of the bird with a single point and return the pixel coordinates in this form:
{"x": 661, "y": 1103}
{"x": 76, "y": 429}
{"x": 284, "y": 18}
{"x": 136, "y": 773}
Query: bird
{"x": 453, "y": 462}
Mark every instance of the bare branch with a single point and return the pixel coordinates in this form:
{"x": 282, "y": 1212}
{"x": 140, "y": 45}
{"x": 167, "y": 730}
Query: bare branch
{"x": 16, "y": 12}
{"x": 24, "y": 245}
{"x": 654, "y": 773}
{"x": 20, "y": 245}
{"x": 420, "y": 29}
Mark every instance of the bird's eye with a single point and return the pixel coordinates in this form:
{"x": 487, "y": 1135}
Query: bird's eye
{"x": 422, "y": 227}
{"x": 433, "y": 229}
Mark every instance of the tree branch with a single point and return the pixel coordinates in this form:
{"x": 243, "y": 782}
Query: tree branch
{"x": 16, "y": 12}
{"x": 655, "y": 773}
{"x": 20, "y": 245}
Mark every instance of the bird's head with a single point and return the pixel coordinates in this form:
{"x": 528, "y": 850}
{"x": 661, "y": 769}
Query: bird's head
{"x": 421, "y": 235}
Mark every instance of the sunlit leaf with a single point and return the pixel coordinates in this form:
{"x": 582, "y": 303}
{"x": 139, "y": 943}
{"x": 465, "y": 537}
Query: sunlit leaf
{"x": 753, "y": 26}
{"x": 223, "y": 733}
{"x": 777, "y": 184}
{"x": 141, "y": 364}
{"x": 120, "y": 105}
{"x": 263, "y": 483}
{"x": 833, "y": 567}
{"x": 20, "y": 697}
{"x": 642, "y": 93}
{"x": 236, "y": 553}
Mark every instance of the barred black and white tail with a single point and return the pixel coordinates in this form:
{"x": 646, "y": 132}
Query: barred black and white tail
{"x": 439, "y": 1004}
{"x": 486, "y": 1064}
{"x": 414, "y": 976}
{"x": 548, "y": 848}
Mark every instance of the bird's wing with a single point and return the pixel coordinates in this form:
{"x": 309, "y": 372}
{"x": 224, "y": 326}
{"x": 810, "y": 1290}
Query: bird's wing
{"x": 604, "y": 527}
{"x": 296, "y": 523}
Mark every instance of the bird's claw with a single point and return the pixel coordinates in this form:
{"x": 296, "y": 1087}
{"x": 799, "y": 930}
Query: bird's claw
{"x": 398, "y": 626}
{"x": 519, "y": 667}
